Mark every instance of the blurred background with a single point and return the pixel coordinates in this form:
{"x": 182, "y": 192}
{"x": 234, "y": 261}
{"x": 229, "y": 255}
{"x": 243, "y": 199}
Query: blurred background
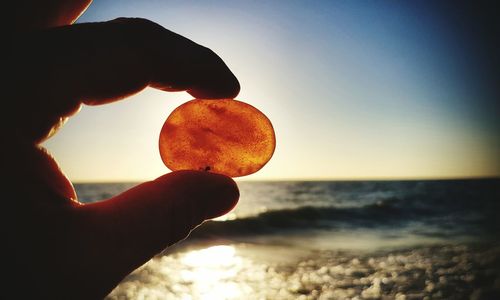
{"x": 385, "y": 180}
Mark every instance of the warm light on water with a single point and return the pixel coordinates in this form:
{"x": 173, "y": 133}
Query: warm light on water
{"x": 212, "y": 257}
{"x": 243, "y": 271}
{"x": 211, "y": 272}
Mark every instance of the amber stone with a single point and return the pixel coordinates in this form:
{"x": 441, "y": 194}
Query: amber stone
{"x": 224, "y": 136}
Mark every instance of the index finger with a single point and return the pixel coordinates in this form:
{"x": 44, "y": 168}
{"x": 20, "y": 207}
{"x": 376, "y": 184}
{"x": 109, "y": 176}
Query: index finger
{"x": 97, "y": 63}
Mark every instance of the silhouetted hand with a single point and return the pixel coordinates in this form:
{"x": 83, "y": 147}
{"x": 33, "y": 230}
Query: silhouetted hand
{"x": 54, "y": 246}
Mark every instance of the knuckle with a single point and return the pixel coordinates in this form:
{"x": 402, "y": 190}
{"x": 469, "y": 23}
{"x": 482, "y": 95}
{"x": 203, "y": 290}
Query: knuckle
{"x": 139, "y": 28}
{"x": 207, "y": 53}
{"x": 140, "y": 22}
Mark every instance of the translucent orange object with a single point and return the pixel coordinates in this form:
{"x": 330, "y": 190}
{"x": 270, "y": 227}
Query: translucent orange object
{"x": 223, "y": 136}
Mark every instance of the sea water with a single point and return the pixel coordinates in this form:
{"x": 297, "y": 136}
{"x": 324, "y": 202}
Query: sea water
{"x": 332, "y": 240}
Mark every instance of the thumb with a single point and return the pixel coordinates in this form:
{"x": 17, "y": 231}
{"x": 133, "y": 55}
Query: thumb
{"x": 126, "y": 231}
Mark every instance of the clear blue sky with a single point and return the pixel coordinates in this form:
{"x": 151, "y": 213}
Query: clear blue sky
{"x": 355, "y": 89}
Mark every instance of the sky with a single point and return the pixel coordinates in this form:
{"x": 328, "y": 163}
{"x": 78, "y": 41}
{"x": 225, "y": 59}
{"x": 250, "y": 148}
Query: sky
{"x": 354, "y": 89}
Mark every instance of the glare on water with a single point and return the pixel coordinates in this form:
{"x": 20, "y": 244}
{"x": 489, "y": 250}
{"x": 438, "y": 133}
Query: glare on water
{"x": 211, "y": 272}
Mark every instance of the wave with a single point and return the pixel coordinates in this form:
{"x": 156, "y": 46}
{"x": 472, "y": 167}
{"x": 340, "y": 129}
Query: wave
{"x": 429, "y": 207}
{"x": 309, "y": 217}
{"x": 388, "y": 213}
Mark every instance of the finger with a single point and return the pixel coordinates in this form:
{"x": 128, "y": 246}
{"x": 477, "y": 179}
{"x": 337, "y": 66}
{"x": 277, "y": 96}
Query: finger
{"x": 129, "y": 229}
{"x": 35, "y": 15}
{"x": 97, "y": 63}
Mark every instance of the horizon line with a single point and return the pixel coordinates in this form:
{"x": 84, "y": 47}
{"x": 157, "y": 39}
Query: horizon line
{"x": 429, "y": 178}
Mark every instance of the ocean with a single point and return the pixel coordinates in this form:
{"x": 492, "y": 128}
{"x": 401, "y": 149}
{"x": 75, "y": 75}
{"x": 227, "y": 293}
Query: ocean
{"x": 332, "y": 240}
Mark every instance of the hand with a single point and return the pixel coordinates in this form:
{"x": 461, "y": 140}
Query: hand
{"x": 54, "y": 246}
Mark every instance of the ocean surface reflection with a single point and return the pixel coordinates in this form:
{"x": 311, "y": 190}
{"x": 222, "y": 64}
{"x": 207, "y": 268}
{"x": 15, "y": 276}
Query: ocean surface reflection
{"x": 250, "y": 271}
{"x": 211, "y": 272}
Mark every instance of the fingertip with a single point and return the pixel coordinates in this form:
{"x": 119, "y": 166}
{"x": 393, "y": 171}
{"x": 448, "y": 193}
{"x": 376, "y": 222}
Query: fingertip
{"x": 217, "y": 88}
{"x": 215, "y": 194}
{"x": 211, "y": 77}
{"x": 226, "y": 193}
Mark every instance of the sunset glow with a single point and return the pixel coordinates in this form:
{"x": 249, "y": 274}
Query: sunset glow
{"x": 354, "y": 91}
